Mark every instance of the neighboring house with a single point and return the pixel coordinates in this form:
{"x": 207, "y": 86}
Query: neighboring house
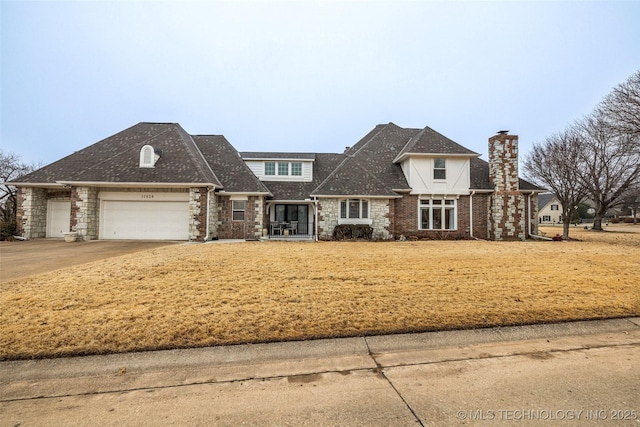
{"x": 155, "y": 181}
{"x": 549, "y": 210}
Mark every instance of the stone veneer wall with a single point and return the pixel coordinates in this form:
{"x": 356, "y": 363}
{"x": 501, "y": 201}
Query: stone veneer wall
{"x": 32, "y": 212}
{"x": 213, "y": 215}
{"x": 380, "y": 210}
{"x": 507, "y": 206}
{"x": 84, "y": 212}
{"x": 197, "y": 213}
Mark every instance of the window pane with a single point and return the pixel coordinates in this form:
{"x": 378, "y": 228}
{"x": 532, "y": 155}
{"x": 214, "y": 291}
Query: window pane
{"x": 439, "y": 169}
{"x": 354, "y": 208}
{"x": 270, "y": 168}
{"x": 238, "y": 207}
{"x": 436, "y": 202}
{"x": 365, "y": 209}
{"x": 437, "y": 219}
{"x": 449, "y": 202}
{"x": 296, "y": 169}
{"x": 425, "y": 202}
{"x": 343, "y": 209}
{"x": 283, "y": 168}
{"x": 450, "y": 219}
{"x": 424, "y": 218}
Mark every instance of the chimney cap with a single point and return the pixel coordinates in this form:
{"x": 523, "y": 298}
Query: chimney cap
{"x": 502, "y": 132}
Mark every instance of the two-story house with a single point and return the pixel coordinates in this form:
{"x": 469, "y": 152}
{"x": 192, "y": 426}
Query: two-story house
{"x": 155, "y": 181}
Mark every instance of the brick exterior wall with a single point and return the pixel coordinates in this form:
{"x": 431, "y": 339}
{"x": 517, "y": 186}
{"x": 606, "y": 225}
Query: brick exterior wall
{"x": 250, "y": 228}
{"x": 507, "y": 206}
{"x": 406, "y": 219}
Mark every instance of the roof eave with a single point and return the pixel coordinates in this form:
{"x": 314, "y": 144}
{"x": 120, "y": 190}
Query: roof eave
{"x": 34, "y": 184}
{"x": 400, "y": 157}
{"x": 244, "y": 193}
{"x": 139, "y": 184}
{"x": 354, "y": 196}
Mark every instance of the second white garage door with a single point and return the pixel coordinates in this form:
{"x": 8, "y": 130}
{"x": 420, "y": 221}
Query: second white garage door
{"x": 144, "y": 220}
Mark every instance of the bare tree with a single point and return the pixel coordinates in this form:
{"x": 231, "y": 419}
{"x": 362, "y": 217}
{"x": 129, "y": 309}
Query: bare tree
{"x": 621, "y": 108}
{"x": 611, "y": 158}
{"x": 554, "y": 164}
{"x": 11, "y": 167}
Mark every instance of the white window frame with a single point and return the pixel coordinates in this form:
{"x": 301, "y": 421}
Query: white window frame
{"x": 282, "y": 168}
{"x": 442, "y": 205}
{"x": 555, "y": 207}
{"x": 266, "y": 170}
{"x": 147, "y": 157}
{"x": 349, "y": 208}
{"x": 546, "y": 218}
{"x": 297, "y": 170}
{"x": 437, "y": 168}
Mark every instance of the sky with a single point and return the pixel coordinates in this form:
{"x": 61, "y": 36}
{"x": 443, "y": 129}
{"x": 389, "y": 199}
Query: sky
{"x": 306, "y": 76}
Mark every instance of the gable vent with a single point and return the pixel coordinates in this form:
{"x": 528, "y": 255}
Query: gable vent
{"x": 149, "y": 156}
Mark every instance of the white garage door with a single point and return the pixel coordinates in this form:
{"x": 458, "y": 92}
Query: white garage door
{"x": 58, "y": 217}
{"x": 148, "y": 220}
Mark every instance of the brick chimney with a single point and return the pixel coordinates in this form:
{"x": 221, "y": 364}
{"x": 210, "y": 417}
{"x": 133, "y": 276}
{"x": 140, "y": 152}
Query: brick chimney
{"x": 507, "y": 216}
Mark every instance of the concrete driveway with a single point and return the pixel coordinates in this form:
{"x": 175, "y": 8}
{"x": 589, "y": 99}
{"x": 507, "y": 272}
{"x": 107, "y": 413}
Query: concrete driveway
{"x": 22, "y": 259}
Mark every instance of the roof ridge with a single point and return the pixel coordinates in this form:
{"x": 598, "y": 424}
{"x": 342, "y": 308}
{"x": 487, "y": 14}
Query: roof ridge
{"x": 411, "y": 140}
{"x": 371, "y": 139}
{"x": 193, "y": 143}
{"x": 333, "y": 172}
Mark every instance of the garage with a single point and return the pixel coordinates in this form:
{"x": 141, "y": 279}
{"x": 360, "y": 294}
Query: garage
{"x": 144, "y": 216}
{"x": 58, "y": 217}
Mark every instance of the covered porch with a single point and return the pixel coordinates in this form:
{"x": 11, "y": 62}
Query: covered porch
{"x": 291, "y": 220}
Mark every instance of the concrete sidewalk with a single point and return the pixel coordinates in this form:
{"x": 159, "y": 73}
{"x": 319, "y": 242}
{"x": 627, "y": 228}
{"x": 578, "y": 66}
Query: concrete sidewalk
{"x": 440, "y": 378}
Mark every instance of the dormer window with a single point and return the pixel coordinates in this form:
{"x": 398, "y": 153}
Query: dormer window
{"x": 149, "y": 156}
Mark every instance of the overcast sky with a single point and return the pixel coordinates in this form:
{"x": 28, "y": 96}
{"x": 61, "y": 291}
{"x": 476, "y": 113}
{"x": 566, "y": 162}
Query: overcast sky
{"x": 312, "y": 76}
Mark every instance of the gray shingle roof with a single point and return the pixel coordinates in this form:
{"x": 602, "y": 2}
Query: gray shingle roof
{"x": 351, "y": 178}
{"x": 543, "y": 199}
{"x": 116, "y": 159}
{"x": 378, "y": 152}
{"x": 233, "y": 172}
{"x": 480, "y": 177}
{"x": 428, "y": 141}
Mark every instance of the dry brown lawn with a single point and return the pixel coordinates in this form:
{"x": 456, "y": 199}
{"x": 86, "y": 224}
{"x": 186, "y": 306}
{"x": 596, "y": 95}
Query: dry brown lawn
{"x": 203, "y": 295}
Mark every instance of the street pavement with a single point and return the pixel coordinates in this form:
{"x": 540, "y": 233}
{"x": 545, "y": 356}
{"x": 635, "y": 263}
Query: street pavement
{"x": 568, "y": 374}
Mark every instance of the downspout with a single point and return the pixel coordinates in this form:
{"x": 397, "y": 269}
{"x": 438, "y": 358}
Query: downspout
{"x": 208, "y": 212}
{"x": 535, "y": 236}
{"x": 315, "y": 218}
{"x": 471, "y": 216}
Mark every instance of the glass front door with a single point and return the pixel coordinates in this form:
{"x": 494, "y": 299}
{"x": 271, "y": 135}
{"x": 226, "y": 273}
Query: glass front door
{"x": 299, "y": 213}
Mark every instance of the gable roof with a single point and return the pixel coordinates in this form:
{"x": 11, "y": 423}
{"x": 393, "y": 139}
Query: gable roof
{"x": 115, "y": 160}
{"x": 428, "y": 141}
{"x": 378, "y": 151}
{"x": 544, "y": 199}
{"x": 233, "y": 172}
